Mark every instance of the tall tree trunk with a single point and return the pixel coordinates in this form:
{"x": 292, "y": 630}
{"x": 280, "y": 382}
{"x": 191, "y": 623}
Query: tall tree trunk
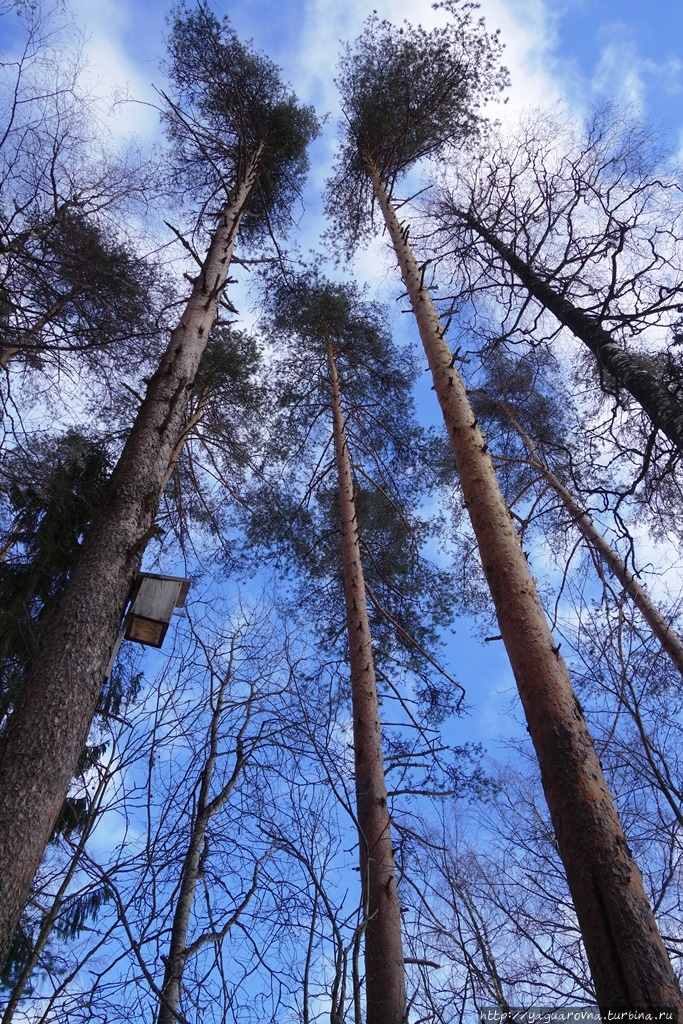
{"x": 669, "y": 640}
{"x": 664, "y": 409}
{"x": 385, "y": 991}
{"x": 40, "y": 749}
{"x": 179, "y": 952}
{"x": 628, "y": 961}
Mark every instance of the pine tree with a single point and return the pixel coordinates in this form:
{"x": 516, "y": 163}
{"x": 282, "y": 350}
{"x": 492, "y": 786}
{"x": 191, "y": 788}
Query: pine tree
{"x": 396, "y": 113}
{"x": 51, "y": 494}
{"x": 50, "y": 498}
{"x": 357, "y": 543}
{"x": 73, "y": 288}
{"x": 239, "y": 136}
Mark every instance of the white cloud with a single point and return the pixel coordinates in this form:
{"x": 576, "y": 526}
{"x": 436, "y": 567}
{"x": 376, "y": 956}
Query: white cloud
{"x": 112, "y": 73}
{"x": 125, "y": 41}
{"x": 618, "y": 73}
{"x": 527, "y": 29}
{"x": 623, "y": 73}
{"x": 529, "y": 33}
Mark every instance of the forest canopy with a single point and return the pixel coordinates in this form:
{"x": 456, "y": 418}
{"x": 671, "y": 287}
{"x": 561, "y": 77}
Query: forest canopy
{"x": 340, "y": 520}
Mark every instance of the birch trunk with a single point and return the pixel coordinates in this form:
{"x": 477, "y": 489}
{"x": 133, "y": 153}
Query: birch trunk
{"x": 669, "y": 640}
{"x": 663, "y": 408}
{"x": 628, "y": 960}
{"x": 40, "y": 749}
{"x": 384, "y": 966}
{"x": 179, "y": 952}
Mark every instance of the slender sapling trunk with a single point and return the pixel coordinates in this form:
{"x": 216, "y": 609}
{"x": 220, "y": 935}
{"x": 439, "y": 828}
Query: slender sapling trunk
{"x": 207, "y": 807}
{"x": 669, "y": 640}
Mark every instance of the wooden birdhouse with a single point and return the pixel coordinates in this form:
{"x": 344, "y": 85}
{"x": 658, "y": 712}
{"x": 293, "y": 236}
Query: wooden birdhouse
{"x": 152, "y": 603}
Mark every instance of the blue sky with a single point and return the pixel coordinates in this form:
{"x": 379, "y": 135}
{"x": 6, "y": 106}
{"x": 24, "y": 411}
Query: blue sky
{"x": 572, "y": 48}
{"x": 557, "y": 50}
{"x": 634, "y": 48}
{"x": 570, "y": 51}
{"x": 574, "y": 51}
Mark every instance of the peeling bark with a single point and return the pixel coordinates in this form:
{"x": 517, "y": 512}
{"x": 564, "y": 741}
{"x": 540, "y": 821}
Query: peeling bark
{"x": 384, "y": 965}
{"x": 46, "y": 734}
{"x": 663, "y": 408}
{"x": 628, "y": 960}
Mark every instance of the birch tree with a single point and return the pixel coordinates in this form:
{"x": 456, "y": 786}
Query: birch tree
{"x": 256, "y": 920}
{"x": 407, "y": 94}
{"x": 239, "y": 137}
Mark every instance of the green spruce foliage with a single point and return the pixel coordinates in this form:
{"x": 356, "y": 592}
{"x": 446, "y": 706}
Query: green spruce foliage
{"x": 49, "y": 500}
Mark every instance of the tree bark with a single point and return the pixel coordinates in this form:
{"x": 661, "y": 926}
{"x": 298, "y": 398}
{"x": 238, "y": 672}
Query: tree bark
{"x": 663, "y": 408}
{"x": 178, "y": 952}
{"x": 385, "y": 991}
{"x": 40, "y": 749}
{"x": 6, "y": 354}
{"x": 50, "y": 918}
{"x": 669, "y": 640}
{"x": 627, "y": 957}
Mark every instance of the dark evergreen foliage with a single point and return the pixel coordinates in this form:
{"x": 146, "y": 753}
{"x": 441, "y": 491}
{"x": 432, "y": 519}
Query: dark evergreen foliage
{"x": 229, "y": 101}
{"x": 397, "y": 467}
{"x": 11, "y": 969}
{"x": 226, "y": 412}
{"x": 50, "y": 499}
{"x": 70, "y": 279}
{"x": 407, "y": 94}
{"x": 71, "y": 286}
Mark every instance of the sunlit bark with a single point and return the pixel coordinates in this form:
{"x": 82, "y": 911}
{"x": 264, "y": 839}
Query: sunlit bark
{"x": 384, "y": 969}
{"x": 628, "y": 960}
{"x": 41, "y": 747}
